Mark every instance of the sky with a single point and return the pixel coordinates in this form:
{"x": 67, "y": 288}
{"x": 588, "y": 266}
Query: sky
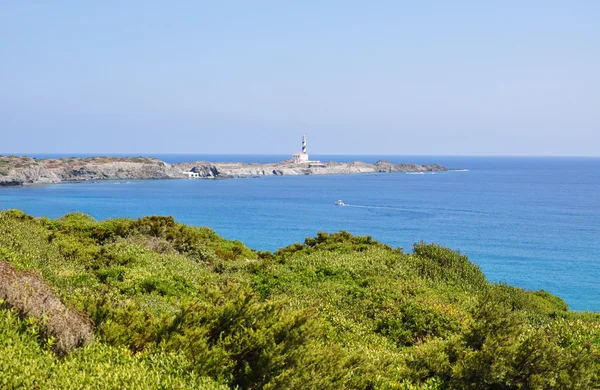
{"x": 251, "y": 77}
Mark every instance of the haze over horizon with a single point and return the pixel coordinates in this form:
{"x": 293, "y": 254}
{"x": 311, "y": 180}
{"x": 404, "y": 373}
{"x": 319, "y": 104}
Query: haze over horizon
{"x": 434, "y": 78}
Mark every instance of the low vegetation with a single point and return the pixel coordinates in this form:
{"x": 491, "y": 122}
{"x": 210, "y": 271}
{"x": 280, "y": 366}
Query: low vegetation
{"x": 18, "y": 162}
{"x": 174, "y": 306}
{"x": 8, "y": 162}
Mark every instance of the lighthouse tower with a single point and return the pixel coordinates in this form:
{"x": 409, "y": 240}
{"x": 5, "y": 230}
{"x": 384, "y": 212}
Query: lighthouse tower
{"x": 301, "y": 157}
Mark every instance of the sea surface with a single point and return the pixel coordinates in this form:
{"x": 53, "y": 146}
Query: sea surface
{"x": 531, "y": 222}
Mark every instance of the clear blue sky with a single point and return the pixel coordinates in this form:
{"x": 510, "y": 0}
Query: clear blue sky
{"x": 357, "y": 77}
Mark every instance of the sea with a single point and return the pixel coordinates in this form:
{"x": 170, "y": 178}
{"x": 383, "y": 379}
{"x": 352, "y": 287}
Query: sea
{"x": 531, "y": 222}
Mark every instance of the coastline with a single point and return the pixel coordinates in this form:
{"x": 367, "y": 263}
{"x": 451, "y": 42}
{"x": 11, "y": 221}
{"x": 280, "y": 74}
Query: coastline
{"x": 23, "y": 170}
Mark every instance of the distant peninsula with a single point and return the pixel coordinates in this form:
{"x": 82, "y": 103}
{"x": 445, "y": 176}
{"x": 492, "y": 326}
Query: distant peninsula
{"x": 23, "y": 170}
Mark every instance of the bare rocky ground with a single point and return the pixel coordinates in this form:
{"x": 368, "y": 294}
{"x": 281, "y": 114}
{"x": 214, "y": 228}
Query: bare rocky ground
{"x": 22, "y": 170}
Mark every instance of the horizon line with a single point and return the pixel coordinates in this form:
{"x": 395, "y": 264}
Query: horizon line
{"x": 100, "y": 154}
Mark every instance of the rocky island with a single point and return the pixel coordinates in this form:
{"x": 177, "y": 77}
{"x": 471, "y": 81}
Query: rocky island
{"x": 22, "y": 170}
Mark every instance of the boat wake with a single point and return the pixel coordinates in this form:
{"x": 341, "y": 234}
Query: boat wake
{"x": 378, "y": 207}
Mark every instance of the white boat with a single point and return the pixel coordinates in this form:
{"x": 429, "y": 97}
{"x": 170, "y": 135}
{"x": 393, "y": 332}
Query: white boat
{"x": 340, "y": 203}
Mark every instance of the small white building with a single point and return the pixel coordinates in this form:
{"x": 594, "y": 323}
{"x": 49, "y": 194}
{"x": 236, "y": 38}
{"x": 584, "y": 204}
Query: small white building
{"x": 192, "y": 175}
{"x": 301, "y": 157}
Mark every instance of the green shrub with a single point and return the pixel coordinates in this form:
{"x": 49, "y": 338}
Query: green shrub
{"x": 412, "y": 322}
{"x": 442, "y": 264}
{"x": 176, "y": 306}
{"x": 24, "y": 363}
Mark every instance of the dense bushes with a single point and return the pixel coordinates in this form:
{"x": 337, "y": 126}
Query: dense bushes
{"x": 501, "y": 350}
{"x": 446, "y": 266}
{"x": 175, "y": 306}
{"x": 25, "y": 364}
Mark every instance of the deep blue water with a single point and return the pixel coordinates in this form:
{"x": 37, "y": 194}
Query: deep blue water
{"x": 530, "y": 222}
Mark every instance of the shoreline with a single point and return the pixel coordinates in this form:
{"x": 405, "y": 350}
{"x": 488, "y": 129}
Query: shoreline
{"x": 23, "y": 170}
{"x": 120, "y": 181}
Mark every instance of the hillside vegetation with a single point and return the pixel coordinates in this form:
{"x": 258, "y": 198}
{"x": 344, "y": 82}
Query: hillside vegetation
{"x": 158, "y": 304}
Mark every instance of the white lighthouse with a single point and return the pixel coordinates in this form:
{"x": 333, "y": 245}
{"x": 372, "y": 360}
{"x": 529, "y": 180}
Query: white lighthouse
{"x": 301, "y": 157}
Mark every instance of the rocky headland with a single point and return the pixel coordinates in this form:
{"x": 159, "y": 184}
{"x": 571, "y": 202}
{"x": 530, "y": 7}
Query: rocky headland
{"x": 22, "y": 170}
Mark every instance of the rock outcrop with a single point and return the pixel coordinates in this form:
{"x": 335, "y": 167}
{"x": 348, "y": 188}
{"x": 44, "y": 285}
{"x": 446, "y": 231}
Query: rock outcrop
{"x": 20, "y": 170}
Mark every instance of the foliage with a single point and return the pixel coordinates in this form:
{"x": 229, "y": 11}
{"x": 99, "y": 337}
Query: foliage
{"x": 444, "y": 265}
{"x": 176, "y": 306}
{"x": 27, "y": 364}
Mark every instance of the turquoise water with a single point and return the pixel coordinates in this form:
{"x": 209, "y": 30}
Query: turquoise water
{"x": 529, "y": 222}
